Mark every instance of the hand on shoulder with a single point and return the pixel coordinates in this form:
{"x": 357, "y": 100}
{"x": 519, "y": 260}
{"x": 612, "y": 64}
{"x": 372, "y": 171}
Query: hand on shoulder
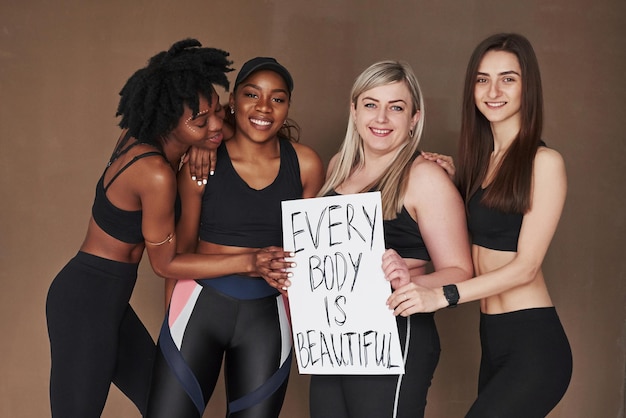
{"x": 444, "y": 161}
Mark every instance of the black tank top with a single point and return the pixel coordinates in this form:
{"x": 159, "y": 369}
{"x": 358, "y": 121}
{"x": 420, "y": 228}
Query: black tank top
{"x": 235, "y": 214}
{"x": 124, "y": 225}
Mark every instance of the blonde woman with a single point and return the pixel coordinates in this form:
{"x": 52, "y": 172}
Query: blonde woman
{"x": 424, "y": 222}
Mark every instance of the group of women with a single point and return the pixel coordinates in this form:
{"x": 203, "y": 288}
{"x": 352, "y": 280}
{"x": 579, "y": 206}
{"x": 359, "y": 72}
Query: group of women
{"x": 218, "y": 242}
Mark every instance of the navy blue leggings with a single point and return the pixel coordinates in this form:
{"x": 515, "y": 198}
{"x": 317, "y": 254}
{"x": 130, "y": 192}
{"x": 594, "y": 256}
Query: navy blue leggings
{"x": 95, "y": 337}
{"x": 384, "y": 396}
{"x": 526, "y": 364}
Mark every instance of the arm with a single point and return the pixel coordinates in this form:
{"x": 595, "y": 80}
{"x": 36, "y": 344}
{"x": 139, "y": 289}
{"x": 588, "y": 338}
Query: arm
{"x": 441, "y": 220}
{"x": 442, "y": 223}
{"x": 538, "y": 228}
{"x": 191, "y": 203}
{"x": 190, "y": 192}
{"x": 157, "y": 192}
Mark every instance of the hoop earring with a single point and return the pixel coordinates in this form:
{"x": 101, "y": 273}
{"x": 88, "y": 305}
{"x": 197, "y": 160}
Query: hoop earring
{"x": 232, "y": 110}
{"x": 411, "y": 132}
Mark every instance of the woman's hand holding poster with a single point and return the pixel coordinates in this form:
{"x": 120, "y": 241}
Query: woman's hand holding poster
{"x": 340, "y": 321}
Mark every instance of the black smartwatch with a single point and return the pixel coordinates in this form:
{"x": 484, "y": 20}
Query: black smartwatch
{"x": 452, "y": 295}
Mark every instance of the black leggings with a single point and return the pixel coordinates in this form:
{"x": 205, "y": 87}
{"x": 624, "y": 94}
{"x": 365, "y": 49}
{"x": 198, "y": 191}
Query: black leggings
{"x": 383, "y": 396}
{"x": 95, "y": 337}
{"x": 526, "y": 364}
{"x": 204, "y": 325}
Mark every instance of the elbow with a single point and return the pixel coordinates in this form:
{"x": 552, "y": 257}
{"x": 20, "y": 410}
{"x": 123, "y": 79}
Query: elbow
{"x": 466, "y": 272}
{"x": 462, "y": 273}
{"x": 161, "y": 270}
{"x": 529, "y": 274}
{"x": 525, "y": 269}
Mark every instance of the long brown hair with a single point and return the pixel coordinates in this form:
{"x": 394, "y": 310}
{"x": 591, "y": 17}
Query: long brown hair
{"x": 511, "y": 187}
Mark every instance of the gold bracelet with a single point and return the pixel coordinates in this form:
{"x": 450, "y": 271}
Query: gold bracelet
{"x": 168, "y": 239}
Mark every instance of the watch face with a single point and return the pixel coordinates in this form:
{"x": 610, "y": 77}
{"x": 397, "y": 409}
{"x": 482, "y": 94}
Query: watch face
{"x": 452, "y": 294}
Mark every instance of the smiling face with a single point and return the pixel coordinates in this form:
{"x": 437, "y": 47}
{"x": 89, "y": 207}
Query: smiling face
{"x": 261, "y": 104}
{"x": 383, "y": 117}
{"x": 498, "y": 88}
{"x": 203, "y": 129}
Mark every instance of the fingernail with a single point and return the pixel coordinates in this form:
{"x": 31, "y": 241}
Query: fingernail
{"x": 289, "y": 274}
{"x": 211, "y": 172}
{"x": 193, "y": 178}
{"x": 204, "y": 181}
{"x": 284, "y": 287}
{"x": 292, "y": 265}
{"x": 292, "y": 254}
{"x": 199, "y": 183}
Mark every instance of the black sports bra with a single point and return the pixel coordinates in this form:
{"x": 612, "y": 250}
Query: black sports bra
{"x": 492, "y": 228}
{"x": 124, "y": 225}
{"x": 403, "y": 235}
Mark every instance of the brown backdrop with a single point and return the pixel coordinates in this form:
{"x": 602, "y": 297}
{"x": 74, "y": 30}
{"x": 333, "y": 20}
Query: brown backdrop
{"x": 62, "y": 64}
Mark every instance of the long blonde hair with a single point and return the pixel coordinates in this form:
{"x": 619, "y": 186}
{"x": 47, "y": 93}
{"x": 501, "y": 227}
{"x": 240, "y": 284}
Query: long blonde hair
{"x": 392, "y": 183}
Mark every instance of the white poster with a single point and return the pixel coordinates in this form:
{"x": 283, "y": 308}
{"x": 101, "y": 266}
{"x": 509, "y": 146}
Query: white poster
{"x": 341, "y": 323}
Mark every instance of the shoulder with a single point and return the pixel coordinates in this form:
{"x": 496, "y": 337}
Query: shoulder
{"x": 154, "y": 172}
{"x": 548, "y": 162}
{"x": 430, "y": 194}
{"x": 428, "y": 186}
{"x": 304, "y": 151}
{"x": 427, "y": 173}
{"x": 307, "y": 156}
{"x": 547, "y": 155}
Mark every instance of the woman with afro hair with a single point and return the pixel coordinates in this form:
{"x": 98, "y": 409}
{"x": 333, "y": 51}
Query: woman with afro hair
{"x": 95, "y": 336}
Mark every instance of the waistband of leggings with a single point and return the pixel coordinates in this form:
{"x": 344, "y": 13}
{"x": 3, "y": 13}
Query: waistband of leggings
{"x": 114, "y": 267}
{"x": 240, "y": 287}
{"x": 529, "y": 314}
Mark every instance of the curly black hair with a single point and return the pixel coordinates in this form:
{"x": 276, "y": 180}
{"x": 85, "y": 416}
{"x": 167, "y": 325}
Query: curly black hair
{"x": 152, "y": 99}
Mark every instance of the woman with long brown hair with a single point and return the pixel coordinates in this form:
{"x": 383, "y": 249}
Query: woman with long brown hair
{"x": 514, "y": 189}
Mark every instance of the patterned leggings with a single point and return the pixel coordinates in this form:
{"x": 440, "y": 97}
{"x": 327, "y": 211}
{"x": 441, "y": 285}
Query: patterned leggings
{"x": 239, "y": 319}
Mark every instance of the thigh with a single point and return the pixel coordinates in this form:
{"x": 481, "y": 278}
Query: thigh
{"x": 422, "y": 356}
{"x": 528, "y": 367}
{"x": 326, "y": 398}
{"x": 189, "y": 355}
{"x": 135, "y": 359}
{"x": 376, "y": 396}
{"x": 84, "y": 311}
{"x": 258, "y": 360}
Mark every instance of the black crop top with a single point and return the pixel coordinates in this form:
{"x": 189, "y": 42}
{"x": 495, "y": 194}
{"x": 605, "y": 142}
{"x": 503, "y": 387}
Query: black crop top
{"x": 403, "y": 235}
{"x": 235, "y": 214}
{"x": 491, "y": 228}
{"x": 124, "y": 225}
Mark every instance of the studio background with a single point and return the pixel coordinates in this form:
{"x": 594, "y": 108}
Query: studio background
{"x": 63, "y": 63}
